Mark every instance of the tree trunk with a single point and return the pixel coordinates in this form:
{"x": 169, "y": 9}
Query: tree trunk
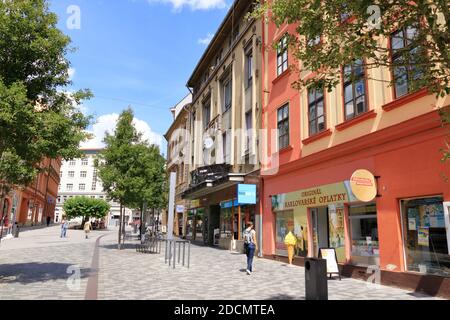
{"x": 120, "y": 227}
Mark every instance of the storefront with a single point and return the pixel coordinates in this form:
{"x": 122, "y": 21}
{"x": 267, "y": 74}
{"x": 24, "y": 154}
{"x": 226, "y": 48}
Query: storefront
{"x": 404, "y": 229}
{"x": 319, "y": 218}
{"x": 234, "y": 218}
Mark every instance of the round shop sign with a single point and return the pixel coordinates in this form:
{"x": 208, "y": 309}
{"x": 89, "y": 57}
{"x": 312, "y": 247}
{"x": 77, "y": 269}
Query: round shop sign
{"x": 363, "y": 185}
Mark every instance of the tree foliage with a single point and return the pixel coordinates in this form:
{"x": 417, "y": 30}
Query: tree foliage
{"x": 38, "y": 118}
{"x": 351, "y": 30}
{"x": 333, "y": 33}
{"x": 86, "y": 208}
{"x": 132, "y": 171}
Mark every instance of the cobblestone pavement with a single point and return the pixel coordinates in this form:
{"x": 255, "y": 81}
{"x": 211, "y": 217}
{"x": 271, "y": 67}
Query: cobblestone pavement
{"x": 35, "y": 267}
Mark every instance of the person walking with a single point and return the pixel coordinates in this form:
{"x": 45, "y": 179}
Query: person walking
{"x": 87, "y": 228}
{"x": 250, "y": 246}
{"x": 64, "y": 227}
{"x": 48, "y": 220}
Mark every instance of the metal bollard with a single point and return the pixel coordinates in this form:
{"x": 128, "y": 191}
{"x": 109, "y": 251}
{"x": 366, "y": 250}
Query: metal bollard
{"x": 174, "y": 253}
{"x": 189, "y": 254}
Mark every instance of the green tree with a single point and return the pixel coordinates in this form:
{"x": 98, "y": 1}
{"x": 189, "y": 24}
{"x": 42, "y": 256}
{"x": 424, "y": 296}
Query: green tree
{"x": 115, "y": 161}
{"x": 149, "y": 169}
{"x": 131, "y": 170}
{"x": 38, "y": 118}
{"x": 330, "y": 34}
{"x": 85, "y": 208}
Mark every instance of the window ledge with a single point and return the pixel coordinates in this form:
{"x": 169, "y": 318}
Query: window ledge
{"x": 349, "y": 123}
{"x": 317, "y": 136}
{"x": 285, "y": 149}
{"x": 281, "y": 76}
{"x": 405, "y": 99}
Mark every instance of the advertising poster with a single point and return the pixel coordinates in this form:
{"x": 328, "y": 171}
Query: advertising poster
{"x": 284, "y": 224}
{"x": 412, "y": 224}
{"x": 423, "y": 237}
{"x": 336, "y": 230}
{"x": 330, "y": 256}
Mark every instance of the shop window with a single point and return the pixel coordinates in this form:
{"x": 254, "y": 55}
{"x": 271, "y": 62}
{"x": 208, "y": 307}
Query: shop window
{"x": 425, "y": 236}
{"x": 364, "y": 234}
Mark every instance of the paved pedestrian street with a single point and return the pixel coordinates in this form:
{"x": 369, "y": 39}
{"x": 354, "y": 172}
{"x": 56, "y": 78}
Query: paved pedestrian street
{"x": 40, "y": 265}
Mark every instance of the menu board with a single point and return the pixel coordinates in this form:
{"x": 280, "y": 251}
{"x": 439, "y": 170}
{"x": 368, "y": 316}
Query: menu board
{"x": 329, "y": 254}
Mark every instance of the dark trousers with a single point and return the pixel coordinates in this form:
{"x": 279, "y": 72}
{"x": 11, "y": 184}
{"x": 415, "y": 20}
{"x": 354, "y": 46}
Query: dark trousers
{"x": 250, "y": 254}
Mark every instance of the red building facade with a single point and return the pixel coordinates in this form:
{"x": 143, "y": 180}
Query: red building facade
{"x": 33, "y": 204}
{"x": 404, "y": 230}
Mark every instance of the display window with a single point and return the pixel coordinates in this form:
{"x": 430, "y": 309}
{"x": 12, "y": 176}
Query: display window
{"x": 364, "y": 234}
{"x": 425, "y": 223}
{"x": 226, "y": 222}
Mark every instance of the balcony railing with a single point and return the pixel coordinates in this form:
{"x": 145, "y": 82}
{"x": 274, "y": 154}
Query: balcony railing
{"x": 209, "y": 173}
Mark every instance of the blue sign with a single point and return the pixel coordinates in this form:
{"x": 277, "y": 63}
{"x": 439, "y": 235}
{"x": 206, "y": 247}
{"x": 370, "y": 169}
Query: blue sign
{"x": 247, "y": 194}
{"x": 229, "y": 204}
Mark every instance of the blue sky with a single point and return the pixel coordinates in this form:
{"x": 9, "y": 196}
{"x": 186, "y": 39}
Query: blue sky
{"x": 139, "y": 53}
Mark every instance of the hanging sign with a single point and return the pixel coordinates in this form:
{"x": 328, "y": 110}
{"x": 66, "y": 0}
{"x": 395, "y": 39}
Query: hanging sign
{"x": 363, "y": 185}
{"x": 329, "y": 254}
{"x": 247, "y": 193}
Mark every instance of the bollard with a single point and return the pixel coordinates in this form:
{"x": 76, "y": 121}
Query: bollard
{"x": 174, "y": 253}
{"x": 179, "y": 250}
{"x": 184, "y": 251}
{"x": 189, "y": 254}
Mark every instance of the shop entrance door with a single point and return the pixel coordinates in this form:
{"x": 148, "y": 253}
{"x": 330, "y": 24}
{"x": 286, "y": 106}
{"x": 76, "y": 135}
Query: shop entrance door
{"x": 321, "y": 234}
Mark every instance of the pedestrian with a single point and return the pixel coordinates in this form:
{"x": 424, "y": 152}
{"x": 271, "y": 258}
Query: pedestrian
{"x": 87, "y": 228}
{"x": 64, "y": 227}
{"x": 290, "y": 241}
{"x": 250, "y": 246}
{"x": 48, "y": 220}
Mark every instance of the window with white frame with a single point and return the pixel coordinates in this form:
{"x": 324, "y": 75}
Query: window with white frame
{"x": 282, "y": 55}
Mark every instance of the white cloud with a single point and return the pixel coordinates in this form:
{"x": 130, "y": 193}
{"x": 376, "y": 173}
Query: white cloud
{"x": 205, "y": 41}
{"x": 71, "y": 73}
{"x": 107, "y": 123}
{"x": 194, "y": 4}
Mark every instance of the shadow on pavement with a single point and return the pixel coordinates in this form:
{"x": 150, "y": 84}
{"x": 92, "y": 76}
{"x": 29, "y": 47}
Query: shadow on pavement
{"x": 26, "y": 273}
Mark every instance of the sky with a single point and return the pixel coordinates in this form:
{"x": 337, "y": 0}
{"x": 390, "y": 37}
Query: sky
{"x": 137, "y": 53}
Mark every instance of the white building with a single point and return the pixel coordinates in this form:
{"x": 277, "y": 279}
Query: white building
{"x": 79, "y": 178}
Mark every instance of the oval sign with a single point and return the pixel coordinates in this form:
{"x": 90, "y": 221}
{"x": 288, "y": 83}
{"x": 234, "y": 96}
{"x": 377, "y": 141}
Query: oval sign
{"x": 363, "y": 185}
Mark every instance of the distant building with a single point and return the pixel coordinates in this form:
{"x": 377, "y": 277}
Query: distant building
{"x": 177, "y": 141}
{"x": 32, "y": 205}
{"x": 79, "y": 177}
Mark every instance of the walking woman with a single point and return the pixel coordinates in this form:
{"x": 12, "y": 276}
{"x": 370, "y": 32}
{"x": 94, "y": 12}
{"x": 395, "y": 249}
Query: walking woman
{"x": 250, "y": 246}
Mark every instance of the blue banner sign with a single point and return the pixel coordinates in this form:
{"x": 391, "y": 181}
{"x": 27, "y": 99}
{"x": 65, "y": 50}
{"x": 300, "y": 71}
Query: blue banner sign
{"x": 247, "y": 194}
{"x": 229, "y": 204}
